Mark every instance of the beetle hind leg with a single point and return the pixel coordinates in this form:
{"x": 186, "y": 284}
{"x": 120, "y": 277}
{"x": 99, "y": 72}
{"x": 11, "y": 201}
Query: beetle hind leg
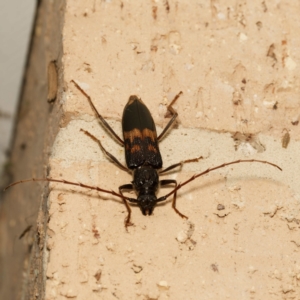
{"x": 105, "y": 124}
{"x": 174, "y": 116}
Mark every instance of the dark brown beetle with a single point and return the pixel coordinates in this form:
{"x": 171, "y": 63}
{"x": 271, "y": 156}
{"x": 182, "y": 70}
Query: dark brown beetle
{"x": 143, "y": 158}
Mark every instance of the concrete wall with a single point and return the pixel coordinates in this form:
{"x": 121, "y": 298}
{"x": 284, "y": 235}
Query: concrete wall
{"x": 237, "y": 66}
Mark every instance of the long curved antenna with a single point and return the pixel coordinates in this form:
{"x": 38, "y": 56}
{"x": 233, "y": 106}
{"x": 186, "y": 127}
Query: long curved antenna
{"x": 180, "y": 185}
{"x": 71, "y": 183}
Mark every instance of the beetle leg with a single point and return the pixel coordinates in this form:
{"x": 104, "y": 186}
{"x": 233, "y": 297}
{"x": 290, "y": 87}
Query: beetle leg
{"x": 127, "y": 187}
{"x": 166, "y": 182}
{"x": 174, "y": 116}
{"x": 180, "y": 164}
{"x": 107, "y": 153}
{"x": 105, "y": 124}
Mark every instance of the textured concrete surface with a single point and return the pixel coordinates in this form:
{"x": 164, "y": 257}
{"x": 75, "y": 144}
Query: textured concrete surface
{"x": 237, "y": 67}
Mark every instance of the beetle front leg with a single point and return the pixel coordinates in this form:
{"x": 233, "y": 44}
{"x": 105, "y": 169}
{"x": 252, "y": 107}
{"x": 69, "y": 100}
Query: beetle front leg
{"x": 127, "y": 187}
{"x": 166, "y": 182}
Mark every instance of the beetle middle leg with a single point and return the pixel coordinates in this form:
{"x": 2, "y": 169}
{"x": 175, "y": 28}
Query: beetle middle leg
{"x": 180, "y": 164}
{"x": 167, "y": 182}
{"x": 106, "y": 152}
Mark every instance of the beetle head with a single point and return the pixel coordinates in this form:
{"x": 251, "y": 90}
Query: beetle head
{"x": 146, "y": 203}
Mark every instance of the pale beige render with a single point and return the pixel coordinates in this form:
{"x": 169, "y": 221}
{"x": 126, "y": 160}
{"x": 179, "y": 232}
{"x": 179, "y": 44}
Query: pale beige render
{"x": 219, "y": 56}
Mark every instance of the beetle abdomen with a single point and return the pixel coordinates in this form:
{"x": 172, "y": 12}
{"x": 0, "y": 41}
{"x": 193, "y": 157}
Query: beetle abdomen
{"x": 140, "y": 138}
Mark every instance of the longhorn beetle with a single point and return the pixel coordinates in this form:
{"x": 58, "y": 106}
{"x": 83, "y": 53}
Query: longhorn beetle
{"x": 142, "y": 157}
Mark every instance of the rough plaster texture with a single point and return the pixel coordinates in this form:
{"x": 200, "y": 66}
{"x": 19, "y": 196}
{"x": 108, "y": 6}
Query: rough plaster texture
{"x": 237, "y": 65}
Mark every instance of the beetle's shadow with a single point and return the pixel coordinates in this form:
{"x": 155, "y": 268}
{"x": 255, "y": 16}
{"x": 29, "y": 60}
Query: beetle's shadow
{"x": 210, "y": 184}
{"x": 86, "y": 194}
{"x": 101, "y": 196}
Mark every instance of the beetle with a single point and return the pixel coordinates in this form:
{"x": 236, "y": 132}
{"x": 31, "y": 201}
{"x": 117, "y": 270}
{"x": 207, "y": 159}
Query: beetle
{"x": 143, "y": 158}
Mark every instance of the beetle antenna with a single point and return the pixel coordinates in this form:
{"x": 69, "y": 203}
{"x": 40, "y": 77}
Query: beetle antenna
{"x": 180, "y": 185}
{"x": 71, "y": 183}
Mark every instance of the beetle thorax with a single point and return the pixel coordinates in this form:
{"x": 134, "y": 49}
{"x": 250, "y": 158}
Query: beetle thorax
{"x": 145, "y": 182}
{"x": 145, "y": 178}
